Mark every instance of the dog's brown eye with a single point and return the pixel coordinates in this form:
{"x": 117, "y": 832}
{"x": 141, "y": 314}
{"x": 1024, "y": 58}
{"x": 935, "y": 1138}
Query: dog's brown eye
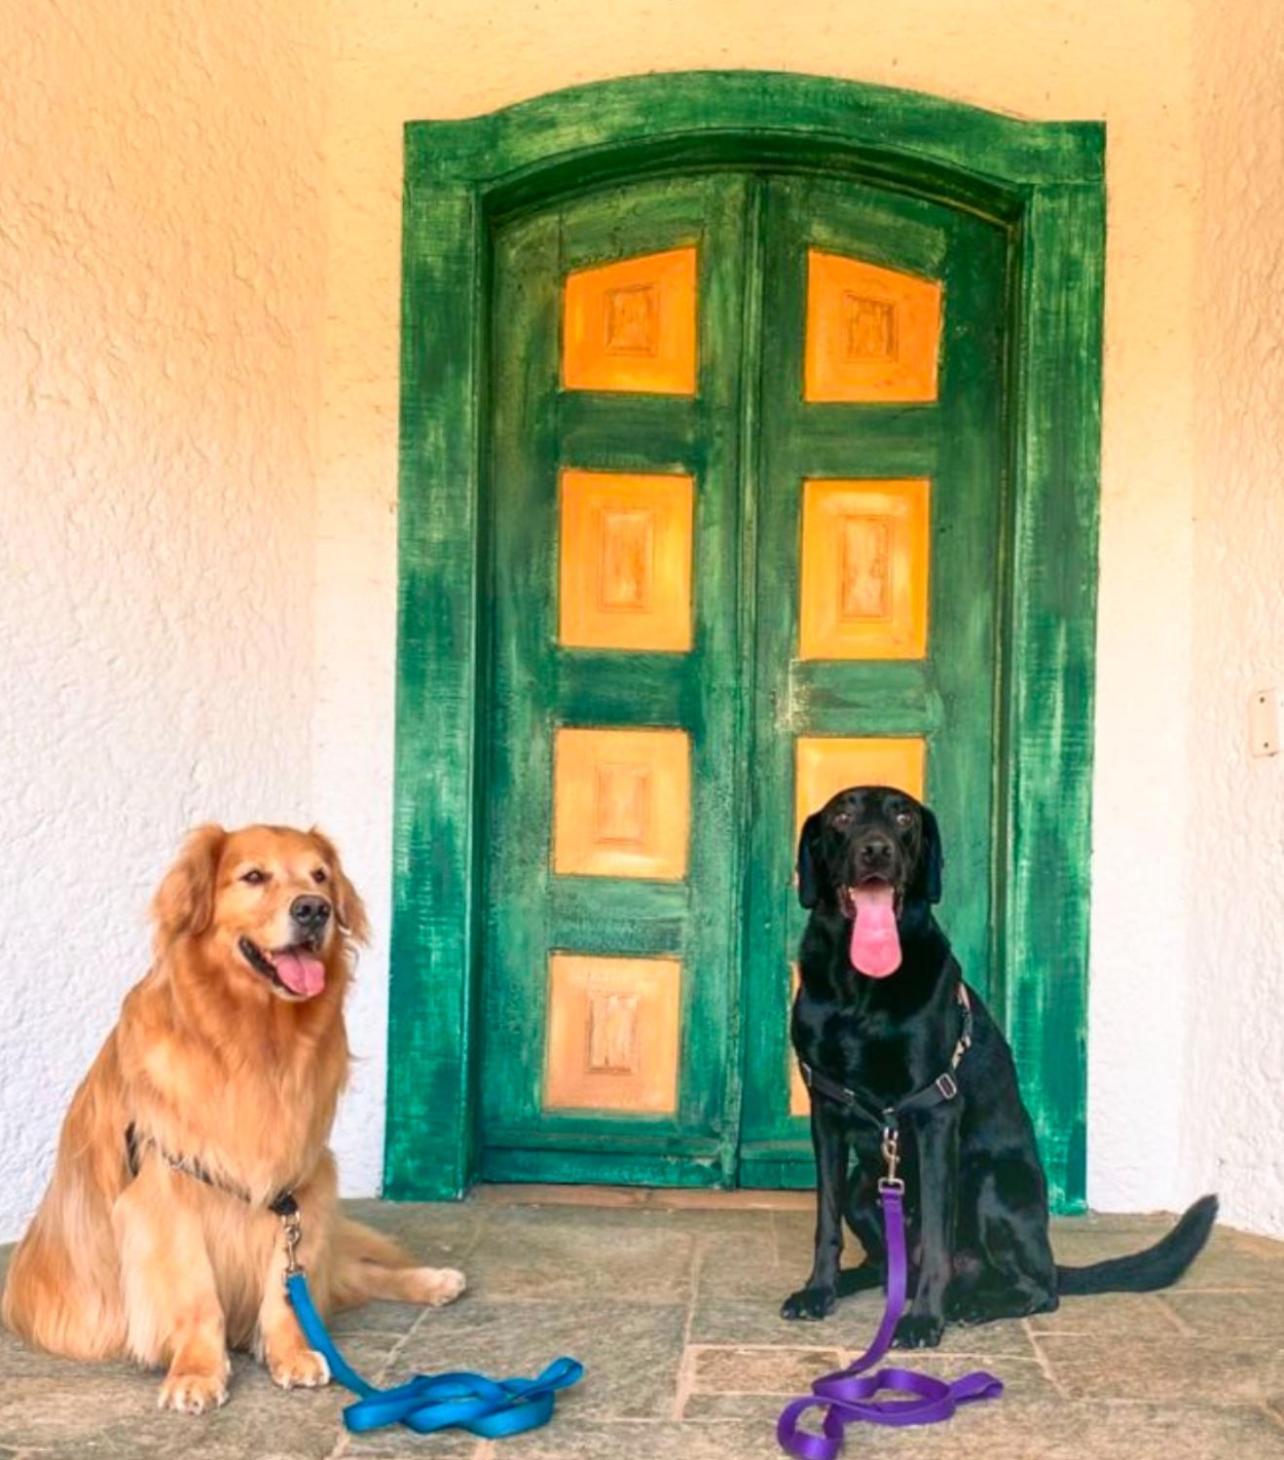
{"x": 843, "y": 818}
{"x": 254, "y": 877}
{"x": 319, "y": 875}
{"x": 904, "y": 819}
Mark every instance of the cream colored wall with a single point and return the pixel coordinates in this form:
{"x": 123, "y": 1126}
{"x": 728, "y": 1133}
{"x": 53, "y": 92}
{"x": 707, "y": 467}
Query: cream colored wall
{"x": 1233, "y": 1124}
{"x": 161, "y": 298}
{"x": 1130, "y": 62}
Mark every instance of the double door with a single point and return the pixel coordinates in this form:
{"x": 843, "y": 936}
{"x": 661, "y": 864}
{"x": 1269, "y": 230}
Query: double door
{"x": 742, "y": 545}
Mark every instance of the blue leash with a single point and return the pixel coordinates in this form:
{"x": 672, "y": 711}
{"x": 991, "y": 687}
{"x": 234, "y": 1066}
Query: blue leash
{"x": 492, "y": 1408}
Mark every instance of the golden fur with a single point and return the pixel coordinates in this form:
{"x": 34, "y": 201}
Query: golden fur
{"x": 213, "y": 1062}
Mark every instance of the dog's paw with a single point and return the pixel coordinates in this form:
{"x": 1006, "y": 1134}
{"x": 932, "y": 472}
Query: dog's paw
{"x": 808, "y": 1303}
{"x": 300, "y": 1368}
{"x": 918, "y": 1331}
{"x": 193, "y": 1393}
{"x": 437, "y": 1286}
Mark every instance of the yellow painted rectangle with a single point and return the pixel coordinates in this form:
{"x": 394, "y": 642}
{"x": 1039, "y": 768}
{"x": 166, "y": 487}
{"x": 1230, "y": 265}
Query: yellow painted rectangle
{"x": 612, "y": 1036}
{"x": 625, "y": 561}
{"x": 825, "y": 765}
{"x": 631, "y": 325}
{"x": 621, "y": 803}
{"x": 799, "y": 1099}
{"x": 864, "y": 584}
{"x": 873, "y": 334}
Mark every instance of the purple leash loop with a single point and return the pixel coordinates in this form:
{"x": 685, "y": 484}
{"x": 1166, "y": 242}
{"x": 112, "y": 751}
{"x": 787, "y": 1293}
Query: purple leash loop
{"x": 849, "y": 1394}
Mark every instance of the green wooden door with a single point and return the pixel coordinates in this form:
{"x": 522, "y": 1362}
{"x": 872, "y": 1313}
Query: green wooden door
{"x": 893, "y": 469}
{"x": 742, "y": 535}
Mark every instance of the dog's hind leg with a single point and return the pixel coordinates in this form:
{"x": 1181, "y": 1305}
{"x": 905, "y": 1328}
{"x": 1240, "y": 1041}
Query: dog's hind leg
{"x": 65, "y": 1298}
{"x": 1012, "y": 1274}
{"x": 370, "y": 1265}
{"x": 63, "y": 1290}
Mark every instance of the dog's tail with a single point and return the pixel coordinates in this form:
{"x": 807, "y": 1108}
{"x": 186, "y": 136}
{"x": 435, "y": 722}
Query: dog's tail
{"x": 1155, "y": 1267}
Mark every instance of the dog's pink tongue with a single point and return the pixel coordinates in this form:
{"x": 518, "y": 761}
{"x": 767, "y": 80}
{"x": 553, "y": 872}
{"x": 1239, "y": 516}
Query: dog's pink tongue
{"x": 300, "y": 972}
{"x": 876, "y": 946}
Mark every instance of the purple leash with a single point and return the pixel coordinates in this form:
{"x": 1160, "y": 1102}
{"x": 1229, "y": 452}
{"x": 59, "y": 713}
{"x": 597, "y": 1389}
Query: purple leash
{"x": 844, "y": 1396}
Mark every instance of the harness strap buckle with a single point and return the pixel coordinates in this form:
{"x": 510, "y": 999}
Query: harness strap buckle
{"x": 947, "y": 1085}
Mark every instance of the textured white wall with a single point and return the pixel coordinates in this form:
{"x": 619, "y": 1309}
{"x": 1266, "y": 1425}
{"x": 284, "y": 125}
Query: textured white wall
{"x": 199, "y": 336}
{"x": 160, "y": 334}
{"x": 1233, "y": 1113}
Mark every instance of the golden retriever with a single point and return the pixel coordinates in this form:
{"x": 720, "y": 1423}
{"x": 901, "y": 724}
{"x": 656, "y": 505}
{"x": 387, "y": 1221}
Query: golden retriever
{"x": 227, "y": 1060}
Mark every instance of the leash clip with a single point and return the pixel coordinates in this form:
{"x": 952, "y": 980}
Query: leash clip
{"x": 292, "y": 1228}
{"x": 892, "y": 1158}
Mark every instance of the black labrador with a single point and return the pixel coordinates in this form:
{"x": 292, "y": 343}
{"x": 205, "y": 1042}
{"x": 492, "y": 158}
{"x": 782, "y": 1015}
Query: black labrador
{"x": 884, "y": 1019}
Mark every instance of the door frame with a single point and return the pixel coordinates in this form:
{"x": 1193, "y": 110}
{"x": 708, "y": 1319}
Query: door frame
{"x": 1044, "y": 181}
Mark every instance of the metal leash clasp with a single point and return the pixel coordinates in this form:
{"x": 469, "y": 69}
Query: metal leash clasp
{"x": 891, "y": 1159}
{"x": 292, "y": 1228}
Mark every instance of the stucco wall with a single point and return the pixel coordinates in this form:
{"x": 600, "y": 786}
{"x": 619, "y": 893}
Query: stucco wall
{"x": 161, "y": 293}
{"x": 1233, "y": 1125}
{"x": 198, "y": 329}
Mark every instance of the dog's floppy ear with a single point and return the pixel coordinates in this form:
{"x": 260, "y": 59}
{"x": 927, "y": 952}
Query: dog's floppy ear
{"x": 184, "y": 903}
{"x": 348, "y": 907}
{"x": 931, "y": 858}
{"x": 811, "y": 871}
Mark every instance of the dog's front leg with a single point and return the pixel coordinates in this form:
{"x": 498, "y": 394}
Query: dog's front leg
{"x": 829, "y": 1140}
{"x": 937, "y": 1140}
{"x": 172, "y": 1310}
{"x": 281, "y": 1344}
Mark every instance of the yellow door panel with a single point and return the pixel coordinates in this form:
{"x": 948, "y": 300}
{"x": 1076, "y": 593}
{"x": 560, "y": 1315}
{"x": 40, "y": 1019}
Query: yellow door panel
{"x": 799, "y": 1100}
{"x": 828, "y": 764}
{"x": 632, "y": 325}
{"x": 625, "y": 571}
{"x": 864, "y": 586}
{"x": 873, "y": 334}
{"x": 621, "y": 803}
{"x": 612, "y": 1039}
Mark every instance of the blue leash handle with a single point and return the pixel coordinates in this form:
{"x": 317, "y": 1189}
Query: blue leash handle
{"x": 492, "y": 1408}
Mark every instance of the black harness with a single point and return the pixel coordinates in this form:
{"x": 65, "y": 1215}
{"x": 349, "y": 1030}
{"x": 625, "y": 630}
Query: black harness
{"x": 938, "y": 1092}
{"x": 282, "y": 1204}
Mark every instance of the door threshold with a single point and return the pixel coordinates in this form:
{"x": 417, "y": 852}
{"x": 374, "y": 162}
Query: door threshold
{"x": 649, "y": 1198}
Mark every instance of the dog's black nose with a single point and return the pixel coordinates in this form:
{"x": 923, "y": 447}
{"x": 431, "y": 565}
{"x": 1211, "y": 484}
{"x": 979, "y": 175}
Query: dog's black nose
{"x": 310, "y": 912}
{"x": 875, "y": 851}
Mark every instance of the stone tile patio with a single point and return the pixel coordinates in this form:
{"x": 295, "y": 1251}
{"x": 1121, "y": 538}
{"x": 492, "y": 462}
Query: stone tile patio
{"x": 671, "y": 1305}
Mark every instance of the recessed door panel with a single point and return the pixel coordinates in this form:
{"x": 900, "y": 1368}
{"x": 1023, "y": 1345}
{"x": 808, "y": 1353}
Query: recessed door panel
{"x": 631, "y": 325}
{"x": 863, "y": 583}
{"x": 827, "y": 764}
{"x": 612, "y": 1034}
{"x": 625, "y": 560}
{"x": 621, "y": 803}
{"x": 872, "y": 334}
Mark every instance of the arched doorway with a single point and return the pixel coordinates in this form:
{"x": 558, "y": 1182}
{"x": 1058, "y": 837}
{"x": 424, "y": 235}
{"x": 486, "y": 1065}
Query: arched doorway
{"x": 749, "y": 420}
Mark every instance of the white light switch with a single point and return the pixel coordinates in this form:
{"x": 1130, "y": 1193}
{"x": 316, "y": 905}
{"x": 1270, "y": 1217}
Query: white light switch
{"x": 1264, "y": 722}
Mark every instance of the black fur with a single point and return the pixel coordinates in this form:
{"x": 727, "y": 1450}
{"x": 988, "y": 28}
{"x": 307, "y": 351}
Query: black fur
{"x": 976, "y": 1197}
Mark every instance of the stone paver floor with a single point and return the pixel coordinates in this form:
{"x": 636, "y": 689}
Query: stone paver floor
{"x": 673, "y": 1311}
